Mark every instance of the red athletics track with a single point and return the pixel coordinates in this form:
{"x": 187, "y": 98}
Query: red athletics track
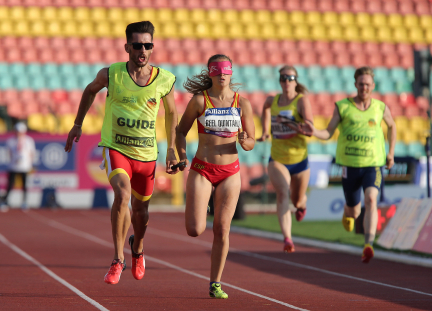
{"x": 75, "y": 248}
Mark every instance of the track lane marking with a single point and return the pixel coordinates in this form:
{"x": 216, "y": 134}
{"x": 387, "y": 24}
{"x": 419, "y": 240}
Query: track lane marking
{"x": 20, "y": 252}
{"x": 179, "y": 237}
{"x": 88, "y": 236}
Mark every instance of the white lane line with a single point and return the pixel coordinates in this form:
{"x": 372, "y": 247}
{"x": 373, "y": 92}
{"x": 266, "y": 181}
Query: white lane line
{"x": 282, "y": 261}
{"x": 19, "y": 251}
{"x": 88, "y": 236}
{"x": 272, "y": 259}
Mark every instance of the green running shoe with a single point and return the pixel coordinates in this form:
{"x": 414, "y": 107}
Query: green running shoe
{"x": 217, "y": 292}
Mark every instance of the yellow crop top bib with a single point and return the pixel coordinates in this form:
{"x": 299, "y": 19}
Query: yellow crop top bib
{"x": 129, "y": 124}
{"x": 288, "y": 147}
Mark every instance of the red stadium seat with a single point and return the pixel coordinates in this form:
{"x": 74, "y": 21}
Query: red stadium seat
{"x": 374, "y": 59}
{"x": 16, "y": 110}
{"x": 325, "y": 5}
{"x": 258, "y": 56}
{"x": 287, "y": 46}
{"x": 412, "y": 111}
{"x": 357, "y": 6}
{"x": 94, "y": 56}
{"x": 74, "y": 97}
{"x": 407, "y": 100}
{"x": 257, "y": 100}
{"x": 105, "y": 43}
{"x": 206, "y": 44}
{"x": 403, "y": 48}
{"x": 109, "y": 56}
{"x": 9, "y": 96}
{"x": 386, "y": 47}
{"x": 59, "y": 96}
{"x": 309, "y": 5}
{"x": 195, "y": 57}
{"x": 342, "y": 59}
{"x": 29, "y": 55}
{"x": 176, "y": 4}
{"x": 159, "y": 56}
{"x": 242, "y": 57}
{"x": 338, "y": 46}
{"x": 258, "y": 4}
{"x": 325, "y": 58}
{"x": 406, "y": 7}
{"x": 238, "y": 45}
{"x": 321, "y": 46}
{"x": 422, "y": 103}
{"x": 391, "y": 60}
{"x": 422, "y": 7}
{"x": 61, "y": 57}
{"x": 73, "y": 43}
{"x": 89, "y": 43}
{"x": 77, "y": 3}
{"x": 78, "y": 56}
{"x": 371, "y": 47}
{"x": 308, "y": 58}
{"x": 396, "y": 111}
{"x": 389, "y": 7}
{"x": 271, "y": 45}
{"x": 358, "y": 59}
{"x": 24, "y": 42}
{"x": 221, "y": 45}
{"x": 13, "y": 55}
{"x": 292, "y": 5}
{"x": 31, "y": 107}
{"x": 274, "y": 58}
{"x": 338, "y": 96}
{"x": 390, "y": 99}
{"x": 377, "y": 96}
{"x": 323, "y": 99}
{"x": 305, "y": 46}
{"x": 189, "y": 44}
{"x": 276, "y": 5}
{"x": 291, "y": 57}
{"x": 27, "y": 95}
{"x": 373, "y": 6}
{"x": 341, "y": 5}
{"x": 406, "y": 61}
{"x": 355, "y": 47}
{"x": 179, "y": 57}
{"x": 193, "y": 4}
{"x": 211, "y": 4}
{"x": 255, "y": 45}
{"x": 9, "y": 42}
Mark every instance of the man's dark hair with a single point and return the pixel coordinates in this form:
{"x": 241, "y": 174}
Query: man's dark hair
{"x": 140, "y": 27}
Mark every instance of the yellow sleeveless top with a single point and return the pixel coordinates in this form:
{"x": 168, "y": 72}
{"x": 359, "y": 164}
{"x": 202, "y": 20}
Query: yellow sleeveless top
{"x": 288, "y": 147}
{"x": 130, "y": 112}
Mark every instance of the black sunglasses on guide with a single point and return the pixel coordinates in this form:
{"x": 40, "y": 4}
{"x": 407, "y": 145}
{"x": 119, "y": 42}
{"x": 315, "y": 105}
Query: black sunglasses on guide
{"x": 290, "y": 78}
{"x": 138, "y": 46}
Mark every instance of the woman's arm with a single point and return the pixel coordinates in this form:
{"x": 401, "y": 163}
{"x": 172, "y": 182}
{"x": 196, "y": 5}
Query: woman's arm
{"x": 171, "y": 120}
{"x": 192, "y": 112}
{"x": 247, "y": 137}
{"x": 266, "y": 119}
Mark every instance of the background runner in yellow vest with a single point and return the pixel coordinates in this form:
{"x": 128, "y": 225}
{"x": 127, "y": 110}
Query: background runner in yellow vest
{"x": 288, "y": 167}
{"x": 128, "y": 136}
{"x": 361, "y": 152}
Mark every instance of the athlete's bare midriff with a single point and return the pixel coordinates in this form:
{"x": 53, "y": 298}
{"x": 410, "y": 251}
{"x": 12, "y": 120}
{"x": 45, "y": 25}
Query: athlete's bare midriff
{"x": 217, "y": 150}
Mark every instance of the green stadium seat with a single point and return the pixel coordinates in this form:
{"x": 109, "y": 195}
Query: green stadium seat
{"x": 314, "y": 72}
{"x": 318, "y": 86}
{"x": 67, "y": 69}
{"x": 83, "y": 70}
{"x": 398, "y": 74}
{"x": 50, "y": 69}
{"x": 34, "y": 69}
{"x": 268, "y": 85}
{"x": 162, "y": 148}
{"x": 301, "y": 72}
{"x": 330, "y": 148}
{"x": 416, "y": 150}
{"x": 53, "y": 83}
{"x": 262, "y": 151}
{"x": 266, "y": 72}
{"x": 381, "y": 74}
{"x": 5, "y": 82}
{"x": 4, "y": 68}
{"x": 252, "y": 84}
{"x": 315, "y": 148}
{"x": 349, "y": 87}
{"x": 403, "y": 87}
{"x": 335, "y": 85}
{"x": 84, "y": 81}
{"x": 400, "y": 150}
{"x": 249, "y": 71}
{"x": 95, "y": 68}
{"x": 385, "y": 86}
{"x": 347, "y": 72}
{"x": 196, "y": 69}
{"x": 21, "y": 83}
{"x": 331, "y": 72}
{"x": 17, "y": 69}
{"x": 37, "y": 83}
{"x": 70, "y": 83}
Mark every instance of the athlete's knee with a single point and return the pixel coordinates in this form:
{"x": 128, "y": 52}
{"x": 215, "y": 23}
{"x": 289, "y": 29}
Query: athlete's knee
{"x": 221, "y": 231}
{"x": 370, "y": 201}
{"x": 281, "y": 196}
{"x": 194, "y": 230}
{"x": 121, "y": 197}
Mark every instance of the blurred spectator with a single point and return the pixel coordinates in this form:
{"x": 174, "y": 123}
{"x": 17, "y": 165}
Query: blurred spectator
{"x": 22, "y": 152}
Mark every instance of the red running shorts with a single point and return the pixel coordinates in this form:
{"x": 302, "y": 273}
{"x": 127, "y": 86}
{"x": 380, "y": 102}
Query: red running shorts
{"x": 141, "y": 174}
{"x": 213, "y": 172}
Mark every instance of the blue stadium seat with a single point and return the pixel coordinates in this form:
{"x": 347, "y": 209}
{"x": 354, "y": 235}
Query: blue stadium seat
{"x": 330, "y": 148}
{"x": 6, "y": 82}
{"x": 83, "y": 70}
{"x": 269, "y": 85}
{"x": 331, "y": 72}
{"x": 196, "y": 69}
{"x": 401, "y": 150}
{"x": 17, "y": 69}
{"x": 252, "y": 84}
{"x": 22, "y": 82}
{"x": 37, "y": 83}
{"x": 347, "y": 72}
{"x": 162, "y": 148}
{"x": 67, "y": 69}
{"x": 335, "y": 85}
{"x": 403, "y": 87}
{"x": 95, "y": 68}
{"x": 385, "y": 86}
{"x": 70, "y": 83}
{"x": 249, "y": 71}
{"x": 50, "y": 69}
{"x": 4, "y": 68}
{"x": 398, "y": 74}
{"x": 318, "y": 86}
{"x": 54, "y": 83}
{"x": 191, "y": 150}
{"x": 381, "y": 74}
{"x": 349, "y": 87}
{"x": 314, "y": 72}
{"x": 301, "y": 72}
{"x": 266, "y": 72}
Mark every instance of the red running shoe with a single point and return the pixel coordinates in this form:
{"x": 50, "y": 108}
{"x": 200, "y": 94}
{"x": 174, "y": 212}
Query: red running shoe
{"x": 114, "y": 273}
{"x": 138, "y": 261}
{"x": 288, "y": 246}
{"x": 368, "y": 253}
{"x": 300, "y": 213}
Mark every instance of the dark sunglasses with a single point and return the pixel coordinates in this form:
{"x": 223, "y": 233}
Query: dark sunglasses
{"x": 290, "y": 78}
{"x": 138, "y": 46}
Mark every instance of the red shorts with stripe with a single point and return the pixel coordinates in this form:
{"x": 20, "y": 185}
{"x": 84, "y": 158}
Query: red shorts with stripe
{"x": 141, "y": 174}
{"x": 213, "y": 172}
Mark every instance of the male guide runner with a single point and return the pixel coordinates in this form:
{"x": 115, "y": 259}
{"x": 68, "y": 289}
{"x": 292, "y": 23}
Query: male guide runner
{"x": 128, "y": 136}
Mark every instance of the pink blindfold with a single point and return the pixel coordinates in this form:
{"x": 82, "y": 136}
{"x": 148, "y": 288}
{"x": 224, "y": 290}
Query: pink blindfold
{"x": 216, "y": 68}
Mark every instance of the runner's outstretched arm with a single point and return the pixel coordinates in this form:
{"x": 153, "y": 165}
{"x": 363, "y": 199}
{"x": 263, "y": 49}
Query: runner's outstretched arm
{"x": 87, "y": 99}
{"x": 171, "y": 122}
{"x": 329, "y": 131}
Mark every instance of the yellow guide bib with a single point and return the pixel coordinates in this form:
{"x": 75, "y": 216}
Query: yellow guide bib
{"x": 288, "y": 147}
{"x": 130, "y": 112}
